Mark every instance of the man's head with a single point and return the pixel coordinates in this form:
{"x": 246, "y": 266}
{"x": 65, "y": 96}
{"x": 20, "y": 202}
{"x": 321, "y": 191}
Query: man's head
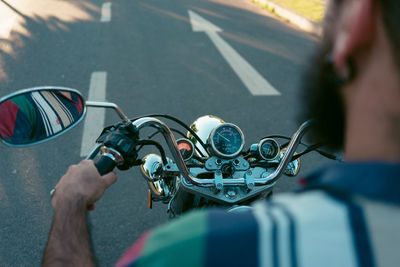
{"x": 353, "y": 87}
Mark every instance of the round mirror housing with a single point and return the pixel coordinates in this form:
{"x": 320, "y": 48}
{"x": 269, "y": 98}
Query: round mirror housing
{"x": 35, "y": 115}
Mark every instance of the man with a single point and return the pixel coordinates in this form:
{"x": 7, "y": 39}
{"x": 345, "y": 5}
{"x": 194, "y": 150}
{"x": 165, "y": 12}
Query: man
{"x": 346, "y": 215}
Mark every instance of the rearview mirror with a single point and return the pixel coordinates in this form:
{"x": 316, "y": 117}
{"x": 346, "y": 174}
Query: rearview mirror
{"x": 36, "y": 115}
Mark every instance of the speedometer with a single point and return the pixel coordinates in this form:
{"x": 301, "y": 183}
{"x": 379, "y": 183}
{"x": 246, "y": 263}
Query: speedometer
{"x": 226, "y": 140}
{"x": 268, "y": 149}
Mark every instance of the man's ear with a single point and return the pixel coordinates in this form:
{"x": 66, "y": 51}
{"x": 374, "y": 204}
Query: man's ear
{"x": 356, "y": 28}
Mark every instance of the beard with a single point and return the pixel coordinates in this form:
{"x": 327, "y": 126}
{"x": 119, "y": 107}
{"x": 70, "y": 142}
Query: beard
{"x": 322, "y": 100}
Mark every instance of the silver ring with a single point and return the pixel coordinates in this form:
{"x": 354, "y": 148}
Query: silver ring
{"x": 52, "y": 192}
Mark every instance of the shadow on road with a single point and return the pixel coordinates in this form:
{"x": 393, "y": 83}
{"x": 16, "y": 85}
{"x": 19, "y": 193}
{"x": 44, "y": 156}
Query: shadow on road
{"x": 46, "y": 47}
{"x": 40, "y": 27}
{"x": 13, "y": 9}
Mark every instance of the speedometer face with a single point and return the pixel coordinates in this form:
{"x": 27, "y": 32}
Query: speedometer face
{"x": 227, "y": 140}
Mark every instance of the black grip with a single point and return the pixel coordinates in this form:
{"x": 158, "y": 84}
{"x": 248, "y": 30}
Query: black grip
{"x": 105, "y": 164}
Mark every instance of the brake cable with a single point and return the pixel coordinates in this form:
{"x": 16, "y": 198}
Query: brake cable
{"x": 323, "y": 153}
{"x": 180, "y": 123}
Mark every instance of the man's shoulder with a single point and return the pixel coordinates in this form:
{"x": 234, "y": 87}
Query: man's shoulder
{"x": 199, "y": 238}
{"x": 309, "y": 227}
{"x": 345, "y": 229}
{"x": 215, "y": 236}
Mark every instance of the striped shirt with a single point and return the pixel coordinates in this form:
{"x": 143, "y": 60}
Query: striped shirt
{"x": 31, "y": 117}
{"x": 346, "y": 215}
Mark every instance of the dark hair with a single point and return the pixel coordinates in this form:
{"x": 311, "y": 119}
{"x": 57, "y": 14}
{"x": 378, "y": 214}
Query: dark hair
{"x": 391, "y": 21}
{"x": 321, "y": 95}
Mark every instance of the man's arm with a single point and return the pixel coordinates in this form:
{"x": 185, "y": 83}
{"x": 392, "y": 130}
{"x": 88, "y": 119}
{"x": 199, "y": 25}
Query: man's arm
{"x": 77, "y": 191}
{"x": 69, "y": 240}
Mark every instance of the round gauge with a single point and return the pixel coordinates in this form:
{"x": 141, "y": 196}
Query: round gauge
{"x": 186, "y": 148}
{"x": 268, "y": 148}
{"x": 226, "y": 140}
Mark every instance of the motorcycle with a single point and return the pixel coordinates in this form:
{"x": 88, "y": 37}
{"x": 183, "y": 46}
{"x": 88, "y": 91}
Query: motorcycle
{"x": 209, "y": 165}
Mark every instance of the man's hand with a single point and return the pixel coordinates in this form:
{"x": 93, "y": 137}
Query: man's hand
{"x": 82, "y": 183}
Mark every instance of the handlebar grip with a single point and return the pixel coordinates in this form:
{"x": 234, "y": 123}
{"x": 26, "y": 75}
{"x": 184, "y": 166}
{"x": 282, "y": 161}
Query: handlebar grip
{"x": 105, "y": 164}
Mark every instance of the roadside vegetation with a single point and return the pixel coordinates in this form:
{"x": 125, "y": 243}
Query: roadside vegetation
{"x": 312, "y": 9}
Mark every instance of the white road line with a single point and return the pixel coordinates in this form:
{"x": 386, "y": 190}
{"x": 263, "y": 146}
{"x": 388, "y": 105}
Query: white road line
{"x": 7, "y": 20}
{"x": 106, "y": 12}
{"x": 94, "y": 121}
{"x": 253, "y": 80}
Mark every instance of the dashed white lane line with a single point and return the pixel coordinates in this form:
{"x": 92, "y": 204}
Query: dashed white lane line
{"x": 94, "y": 121}
{"x": 106, "y": 12}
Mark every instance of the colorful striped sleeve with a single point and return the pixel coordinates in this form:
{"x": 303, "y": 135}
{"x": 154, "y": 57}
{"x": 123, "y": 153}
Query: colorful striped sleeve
{"x": 8, "y": 111}
{"x": 201, "y": 238}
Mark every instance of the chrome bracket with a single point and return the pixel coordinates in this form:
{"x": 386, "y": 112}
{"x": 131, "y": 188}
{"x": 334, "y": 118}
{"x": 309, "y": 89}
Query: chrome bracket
{"x": 171, "y": 169}
{"x": 215, "y": 163}
{"x": 249, "y": 177}
{"x": 219, "y": 182}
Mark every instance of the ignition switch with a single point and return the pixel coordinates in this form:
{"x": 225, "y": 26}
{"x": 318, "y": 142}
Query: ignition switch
{"x": 228, "y": 169}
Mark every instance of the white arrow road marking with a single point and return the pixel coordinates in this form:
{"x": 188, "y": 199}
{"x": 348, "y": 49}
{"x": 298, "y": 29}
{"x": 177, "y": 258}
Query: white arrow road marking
{"x": 106, "y": 12}
{"x": 253, "y": 80}
{"x": 94, "y": 121}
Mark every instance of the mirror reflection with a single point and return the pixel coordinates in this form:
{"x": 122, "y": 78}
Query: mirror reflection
{"x": 36, "y": 115}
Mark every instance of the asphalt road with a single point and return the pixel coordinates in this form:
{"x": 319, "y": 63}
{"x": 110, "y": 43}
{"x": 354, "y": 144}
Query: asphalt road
{"x": 155, "y": 63}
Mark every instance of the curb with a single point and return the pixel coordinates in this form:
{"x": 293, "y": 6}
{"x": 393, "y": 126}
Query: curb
{"x": 300, "y": 21}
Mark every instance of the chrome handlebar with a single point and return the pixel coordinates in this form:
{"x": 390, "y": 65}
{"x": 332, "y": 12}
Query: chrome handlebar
{"x": 249, "y": 181}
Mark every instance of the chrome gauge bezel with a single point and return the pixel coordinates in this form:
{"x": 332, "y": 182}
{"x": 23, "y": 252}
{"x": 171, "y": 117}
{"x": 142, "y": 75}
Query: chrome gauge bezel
{"x": 262, "y": 141}
{"x": 215, "y": 151}
{"x": 190, "y": 143}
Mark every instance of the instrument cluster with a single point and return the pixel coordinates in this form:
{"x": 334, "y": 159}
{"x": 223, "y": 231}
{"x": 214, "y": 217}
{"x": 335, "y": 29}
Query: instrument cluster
{"x": 226, "y": 142}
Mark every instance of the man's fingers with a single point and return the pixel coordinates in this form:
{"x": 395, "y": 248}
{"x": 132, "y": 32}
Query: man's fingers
{"x": 110, "y": 178}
